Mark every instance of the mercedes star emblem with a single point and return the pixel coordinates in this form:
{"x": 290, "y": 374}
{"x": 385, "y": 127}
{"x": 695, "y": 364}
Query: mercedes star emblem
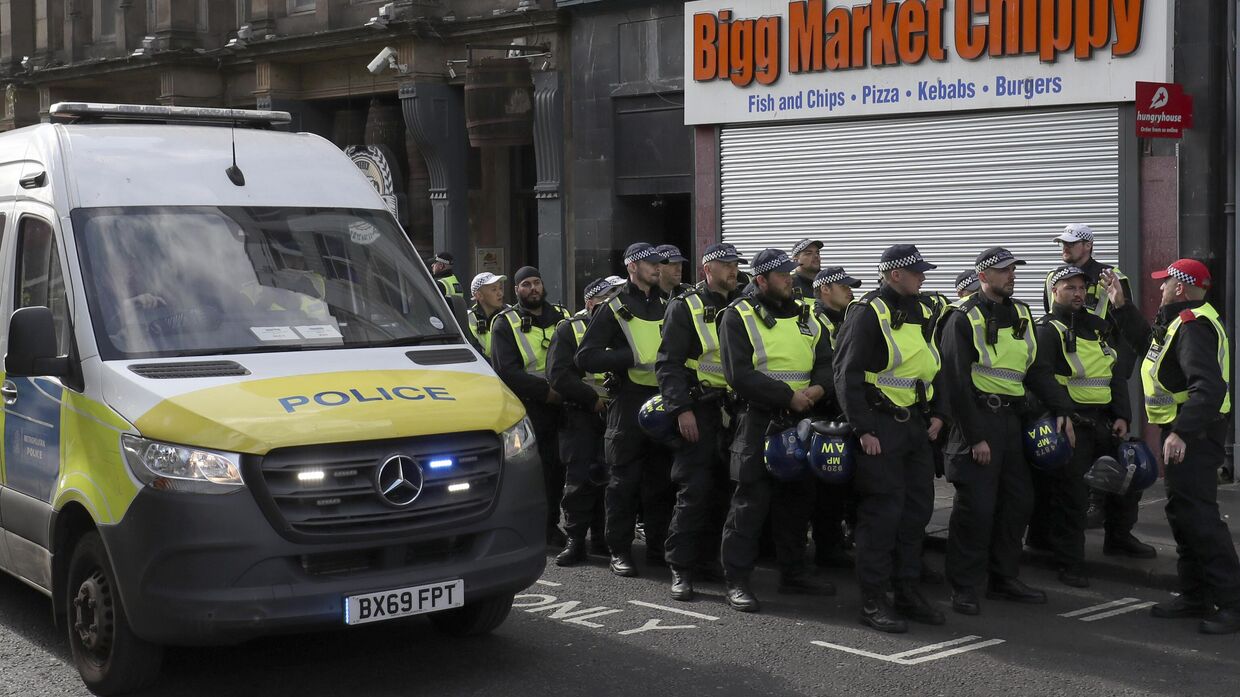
{"x": 399, "y": 480}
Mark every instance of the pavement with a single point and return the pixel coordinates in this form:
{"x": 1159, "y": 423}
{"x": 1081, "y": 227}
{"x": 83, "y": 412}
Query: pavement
{"x": 1151, "y": 528}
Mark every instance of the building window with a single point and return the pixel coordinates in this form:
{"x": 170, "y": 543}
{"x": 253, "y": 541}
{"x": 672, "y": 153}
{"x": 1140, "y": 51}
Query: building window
{"x": 107, "y": 18}
{"x": 296, "y": 6}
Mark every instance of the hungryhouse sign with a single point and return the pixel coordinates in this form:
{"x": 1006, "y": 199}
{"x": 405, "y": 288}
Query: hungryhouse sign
{"x": 772, "y": 59}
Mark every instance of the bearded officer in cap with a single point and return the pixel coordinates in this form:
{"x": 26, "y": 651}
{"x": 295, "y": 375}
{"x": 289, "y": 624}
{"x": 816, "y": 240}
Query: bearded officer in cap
{"x": 1186, "y": 380}
{"x": 777, "y": 357}
{"x": 989, "y": 350}
{"x": 888, "y": 382}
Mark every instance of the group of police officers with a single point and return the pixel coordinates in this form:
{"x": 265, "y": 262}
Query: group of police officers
{"x": 927, "y": 386}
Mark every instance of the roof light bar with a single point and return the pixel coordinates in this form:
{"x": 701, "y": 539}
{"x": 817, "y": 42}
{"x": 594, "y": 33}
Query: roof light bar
{"x": 92, "y": 111}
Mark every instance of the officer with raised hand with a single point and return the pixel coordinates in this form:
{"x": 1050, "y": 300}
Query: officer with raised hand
{"x": 690, "y": 373}
{"x": 989, "y": 345}
{"x": 777, "y": 358}
{"x": 888, "y": 383}
{"x": 1129, "y": 331}
{"x": 1075, "y": 345}
{"x": 1186, "y": 380}
{"x": 520, "y": 338}
{"x": 672, "y": 273}
{"x": 581, "y": 426}
{"x": 487, "y": 290}
{"x": 445, "y": 277}
{"x": 623, "y": 339}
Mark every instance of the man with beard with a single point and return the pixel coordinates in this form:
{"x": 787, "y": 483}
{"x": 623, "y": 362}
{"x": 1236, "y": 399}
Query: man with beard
{"x": 888, "y": 383}
{"x": 623, "y": 339}
{"x": 690, "y": 373}
{"x": 777, "y": 358}
{"x": 1075, "y": 345}
{"x": 520, "y": 338}
{"x": 487, "y": 290}
{"x": 1117, "y": 514}
{"x": 989, "y": 347}
{"x": 581, "y": 428}
{"x": 672, "y": 273}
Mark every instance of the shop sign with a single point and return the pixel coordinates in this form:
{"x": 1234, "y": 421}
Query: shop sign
{"x": 1163, "y": 110}
{"x": 772, "y": 60}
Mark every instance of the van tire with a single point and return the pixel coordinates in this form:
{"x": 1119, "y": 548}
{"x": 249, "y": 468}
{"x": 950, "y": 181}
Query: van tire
{"x": 473, "y": 619}
{"x": 107, "y": 654}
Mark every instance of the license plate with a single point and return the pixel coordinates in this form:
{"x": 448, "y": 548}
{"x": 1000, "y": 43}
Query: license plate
{"x": 403, "y": 602}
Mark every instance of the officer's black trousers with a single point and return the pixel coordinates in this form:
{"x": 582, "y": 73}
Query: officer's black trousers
{"x": 1058, "y": 518}
{"x": 546, "y": 421}
{"x": 1208, "y": 567}
{"x": 585, "y": 475}
{"x": 757, "y": 495}
{"x": 1121, "y": 510}
{"x": 830, "y": 509}
{"x": 992, "y": 505}
{"x": 640, "y": 476}
{"x": 895, "y": 498}
{"x": 700, "y": 475}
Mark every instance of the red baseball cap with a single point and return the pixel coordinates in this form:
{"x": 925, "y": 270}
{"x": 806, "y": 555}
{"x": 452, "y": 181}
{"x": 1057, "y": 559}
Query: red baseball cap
{"x": 1189, "y": 271}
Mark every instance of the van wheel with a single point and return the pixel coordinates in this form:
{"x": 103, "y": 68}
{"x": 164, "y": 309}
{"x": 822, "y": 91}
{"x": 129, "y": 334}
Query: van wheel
{"x": 473, "y": 619}
{"x": 110, "y": 659}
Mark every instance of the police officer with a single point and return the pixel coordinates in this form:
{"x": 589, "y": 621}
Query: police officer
{"x": 1185, "y": 378}
{"x": 441, "y": 269}
{"x": 966, "y": 285}
{"x": 989, "y": 344}
{"x": 581, "y": 426}
{"x": 623, "y": 339}
{"x": 672, "y": 273}
{"x": 777, "y": 357}
{"x": 1129, "y": 331}
{"x": 487, "y": 290}
{"x": 806, "y": 254}
{"x": 888, "y": 383}
{"x": 833, "y": 292}
{"x": 1075, "y": 345}
{"x": 690, "y": 374}
{"x": 520, "y": 337}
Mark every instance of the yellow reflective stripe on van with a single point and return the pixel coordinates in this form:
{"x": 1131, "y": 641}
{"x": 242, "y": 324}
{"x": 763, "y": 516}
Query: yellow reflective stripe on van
{"x": 93, "y": 471}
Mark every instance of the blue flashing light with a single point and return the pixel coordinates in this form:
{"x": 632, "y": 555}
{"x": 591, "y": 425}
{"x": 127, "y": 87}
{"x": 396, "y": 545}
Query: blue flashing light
{"x": 441, "y": 463}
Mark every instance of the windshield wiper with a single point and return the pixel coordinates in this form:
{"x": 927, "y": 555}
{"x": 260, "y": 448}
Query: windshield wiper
{"x": 446, "y": 338}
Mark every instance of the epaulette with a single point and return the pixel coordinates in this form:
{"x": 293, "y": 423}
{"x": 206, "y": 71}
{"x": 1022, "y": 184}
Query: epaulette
{"x": 691, "y": 290}
{"x": 1188, "y": 316}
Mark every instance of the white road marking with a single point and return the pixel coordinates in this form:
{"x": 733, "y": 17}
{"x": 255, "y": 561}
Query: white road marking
{"x": 652, "y": 625}
{"x": 1099, "y": 608}
{"x": 953, "y": 652}
{"x": 932, "y": 647}
{"x": 665, "y": 608}
{"x": 552, "y": 584}
{"x": 1122, "y": 610}
{"x": 962, "y": 645}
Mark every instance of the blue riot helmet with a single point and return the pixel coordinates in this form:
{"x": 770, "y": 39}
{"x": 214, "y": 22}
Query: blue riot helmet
{"x": 1045, "y": 447}
{"x": 784, "y": 453}
{"x": 1135, "y": 455}
{"x": 657, "y": 423}
{"x": 831, "y": 449}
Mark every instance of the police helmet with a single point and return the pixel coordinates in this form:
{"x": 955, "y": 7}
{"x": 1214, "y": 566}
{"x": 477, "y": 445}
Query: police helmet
{"x": 1045, "y": 447}
{"x": 784, "y": 453}
{"x": 654, "y": 420}
{"x": 1107, "y": 474}
{"x": 1136, "y": 455}
{"x": 831, "y": 451}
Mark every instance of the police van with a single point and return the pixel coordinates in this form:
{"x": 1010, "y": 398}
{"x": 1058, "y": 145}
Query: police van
{"x": 235, "y": 403}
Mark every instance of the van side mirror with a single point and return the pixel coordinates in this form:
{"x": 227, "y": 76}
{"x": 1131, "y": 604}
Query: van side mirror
{"x": 32, "y": 345}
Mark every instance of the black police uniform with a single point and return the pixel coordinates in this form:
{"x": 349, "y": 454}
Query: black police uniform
{"x": 533, "y": 390}
{"x": 833, "y": 504}
{"x": 580, "y": 437}
{"x": 698, "y": 469}
{"x": 757, "y": 493}
{"x": 640, "y": 467}
{"x": 1062, "y": 496}
{"x": 993, "y": 502}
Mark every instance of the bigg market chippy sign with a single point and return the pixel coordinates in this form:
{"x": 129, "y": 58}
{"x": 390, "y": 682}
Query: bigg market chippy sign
{"x": 774, "y": 60}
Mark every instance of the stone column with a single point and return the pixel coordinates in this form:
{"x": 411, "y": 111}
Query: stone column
{"x": 549, "y": 157}
{"x": 435, "y": 115}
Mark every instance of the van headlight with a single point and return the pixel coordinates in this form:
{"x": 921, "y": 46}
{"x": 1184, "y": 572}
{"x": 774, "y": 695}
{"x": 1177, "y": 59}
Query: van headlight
{"x": 519, "y": 439}
{"x": 179, "y": 468}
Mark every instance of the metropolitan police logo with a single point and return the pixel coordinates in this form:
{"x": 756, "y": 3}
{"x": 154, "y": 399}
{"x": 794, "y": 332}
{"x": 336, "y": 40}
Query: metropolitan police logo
{"x": 399, "y": 480}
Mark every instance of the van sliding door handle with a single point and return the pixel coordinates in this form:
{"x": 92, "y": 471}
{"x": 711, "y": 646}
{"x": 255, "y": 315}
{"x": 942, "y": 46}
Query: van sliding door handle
{"x": 9, "y": 392}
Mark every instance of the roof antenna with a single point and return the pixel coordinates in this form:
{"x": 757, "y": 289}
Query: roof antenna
{"x": 234, "y": 172}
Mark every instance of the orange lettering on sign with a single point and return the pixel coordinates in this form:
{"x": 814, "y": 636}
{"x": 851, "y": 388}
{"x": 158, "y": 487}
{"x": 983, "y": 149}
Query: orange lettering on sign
{"x": 839, "y": 23}
{"x": 1127, "y": 27}
{"x": 705, "y": 63}
{"x": 805, "y": 36}
{"x": 970, "y": 39}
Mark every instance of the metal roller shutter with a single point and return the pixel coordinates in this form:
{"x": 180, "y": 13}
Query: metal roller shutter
{"x": 953, "y": 185}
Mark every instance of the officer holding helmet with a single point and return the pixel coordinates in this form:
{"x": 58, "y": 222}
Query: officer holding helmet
{"x": 690, "y": 373}
{"x": 1077, "y": 347}
{"x": 581, "y": 426}
{"x": 623, "y": 339}
{"x": 487, "y": 290}
{"x": 888, "y": 383}
{"x": 1185, "y": 378}
{"x": 777, "y": 358}
{"x": 521, "y": 336}
{"x": 989, "y": 344}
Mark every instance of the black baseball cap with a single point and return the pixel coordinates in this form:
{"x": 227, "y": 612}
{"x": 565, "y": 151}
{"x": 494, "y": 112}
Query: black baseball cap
{"x": 643, "y": 251}
{"x": 995, "y": 258}
{"x": 967, "y": 281}
{"x": 835, "y": 274}
{"x": 722, "y": 251}
{"x": 671, "y": 253}
{"x": 770, "y": 260}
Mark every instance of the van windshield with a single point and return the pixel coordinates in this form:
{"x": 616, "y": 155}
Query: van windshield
{"x": 186, "y": 281}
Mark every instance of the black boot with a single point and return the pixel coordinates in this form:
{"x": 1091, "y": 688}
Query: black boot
{"x": 682, "y": 584}
{"x": 622, "y": 564}
{"x": 1073, "y": 575}
{"x": 964, "y": 601}
{"x": 876, "y": 612}
{"x": 911, "y": 604}
{"x": 1225, "y": 621}
{"x": 1013, "y": 589}
{"x": 1180, "y": 607}
{"x": 1127, "y": 545}
{"x": 556, "y": 537}
{"x": 740, "y": 598}
{"x": 574, "y": 553}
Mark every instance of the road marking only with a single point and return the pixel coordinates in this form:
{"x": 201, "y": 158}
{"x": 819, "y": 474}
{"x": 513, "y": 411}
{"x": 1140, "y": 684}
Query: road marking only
{"x": 1111, "y": 609}
{"x": 962, "y": 645}
{"x": 665, "y": 608}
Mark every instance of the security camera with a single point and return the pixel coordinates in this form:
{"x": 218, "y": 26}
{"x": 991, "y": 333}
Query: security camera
{"x": 381, "y": 62}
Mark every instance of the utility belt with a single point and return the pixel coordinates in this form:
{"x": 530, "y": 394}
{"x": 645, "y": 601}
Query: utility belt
{"x": 998, "y": 402}
{"x": 881, "y": 404}
{"x": 1092, "y": 417}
